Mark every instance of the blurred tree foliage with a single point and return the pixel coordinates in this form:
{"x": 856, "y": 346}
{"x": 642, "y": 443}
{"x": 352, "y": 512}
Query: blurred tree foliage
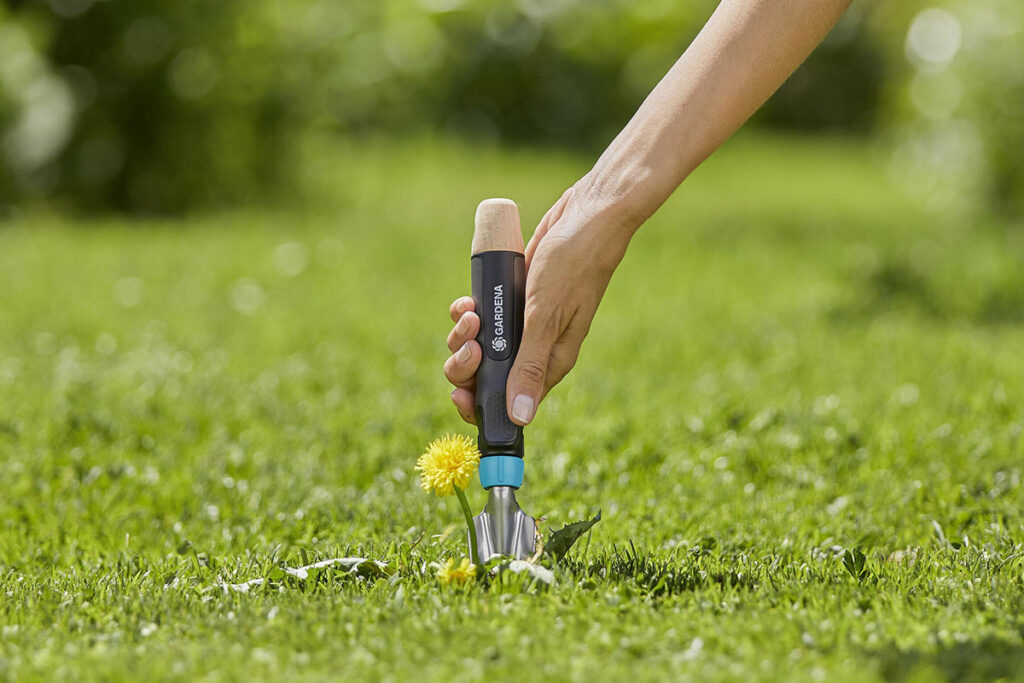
{"x": 157, "y": 106}
{"x": 166, "y": 106}
{"x": 954, "y": 99}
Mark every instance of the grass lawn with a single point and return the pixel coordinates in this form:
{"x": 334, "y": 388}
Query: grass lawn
{"x": 799, "y": 410}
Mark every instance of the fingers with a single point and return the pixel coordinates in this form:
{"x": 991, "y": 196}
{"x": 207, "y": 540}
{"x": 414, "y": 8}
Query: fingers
{"x": 465, "y": 329}
{"x": 527, "y": 380}
{"x": 460, "y": 306}
{"x": 549, "y": 219}
{"x": 461, "y": 366}
{"x": 563, "y": 359}
{"x": 463, "y": 400}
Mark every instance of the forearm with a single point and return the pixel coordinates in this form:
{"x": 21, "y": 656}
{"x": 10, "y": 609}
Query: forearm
{"x": 742, "y": 55}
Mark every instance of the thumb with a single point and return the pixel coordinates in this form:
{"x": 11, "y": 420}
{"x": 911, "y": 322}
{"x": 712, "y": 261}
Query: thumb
{"x": 525, "y": 386}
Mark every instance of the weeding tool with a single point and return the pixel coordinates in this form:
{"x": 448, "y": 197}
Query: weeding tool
{"x": 499, "y": 292}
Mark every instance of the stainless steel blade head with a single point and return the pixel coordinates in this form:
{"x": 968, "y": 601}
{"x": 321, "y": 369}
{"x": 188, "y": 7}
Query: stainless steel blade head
{"x": 504, "y": 529}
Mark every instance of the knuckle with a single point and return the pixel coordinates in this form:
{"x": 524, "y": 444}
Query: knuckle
{"x": 556, "y": 375}
{"x": 460, "y": 306}
{"x": 540, "y": 319}
{"x": 548, "y": 318}
{"x": 564, "y": 360}
{"x": 566, "y": 367}
{"x": 532, "y": 370}
{"x": 559, "y": 374}
{"x": 449, "y": 370}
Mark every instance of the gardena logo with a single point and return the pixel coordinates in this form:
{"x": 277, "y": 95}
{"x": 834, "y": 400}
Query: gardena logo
{"x": 499, "y": 343}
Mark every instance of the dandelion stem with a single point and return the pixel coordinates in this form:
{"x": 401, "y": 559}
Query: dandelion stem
{"x": 472, "y": 527}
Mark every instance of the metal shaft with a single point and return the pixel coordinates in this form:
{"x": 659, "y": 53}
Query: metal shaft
{"x": 502, "y": 528}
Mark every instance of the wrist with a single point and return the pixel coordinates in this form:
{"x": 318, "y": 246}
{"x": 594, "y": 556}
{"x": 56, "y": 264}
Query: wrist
{"x": 602, "y": 225}
{"x": 621, "y": 189}
{"x": 610, "y": 203}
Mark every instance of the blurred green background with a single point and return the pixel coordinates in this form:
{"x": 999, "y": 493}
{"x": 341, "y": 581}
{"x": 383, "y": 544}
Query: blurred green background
{"x": 166, "y": 107}
{"x": 811, "y": 352}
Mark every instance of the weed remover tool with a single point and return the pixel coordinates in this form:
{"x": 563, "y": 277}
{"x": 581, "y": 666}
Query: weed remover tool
{"x": 499, "y": 292}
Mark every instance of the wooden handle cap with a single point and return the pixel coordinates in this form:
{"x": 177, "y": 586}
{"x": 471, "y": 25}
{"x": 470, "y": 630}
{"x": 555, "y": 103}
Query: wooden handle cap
{"x": 497, "y": 227}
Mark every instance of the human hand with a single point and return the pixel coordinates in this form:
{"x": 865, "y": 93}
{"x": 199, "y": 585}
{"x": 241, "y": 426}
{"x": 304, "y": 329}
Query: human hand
{"x": 569, "y": 262}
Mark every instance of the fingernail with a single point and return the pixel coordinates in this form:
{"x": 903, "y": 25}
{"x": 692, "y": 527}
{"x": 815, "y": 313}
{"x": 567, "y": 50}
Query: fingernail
{"x": 522, "y": 408}
{"x": 463, "y": 355}
{"x": 462, "y": 326}
{"x": 460, "y": 307}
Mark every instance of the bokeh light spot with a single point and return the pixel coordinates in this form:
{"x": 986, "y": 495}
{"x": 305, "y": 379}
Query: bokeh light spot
{"x": 414, "y": 46}
{"x": 146, "y": 40}
{"x": 291, "y": 258}
{"x": 70, "y": 8}
{"x": 247, "y": 296}
{"x": 934, "y": 39}
{"x": 43, "y": 102}
{"x": 128, "y": 291}
{"x": 193, "y": 73}
{"x": 106, "y": 343}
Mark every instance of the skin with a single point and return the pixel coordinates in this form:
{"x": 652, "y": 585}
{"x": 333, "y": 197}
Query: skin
{"x": 743, "y": 54}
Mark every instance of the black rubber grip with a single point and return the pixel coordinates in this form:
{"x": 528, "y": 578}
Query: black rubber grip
{"x": 499, "y": 292}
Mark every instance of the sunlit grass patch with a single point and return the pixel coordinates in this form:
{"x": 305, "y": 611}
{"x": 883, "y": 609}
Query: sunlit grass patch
{"x": 802, "y": 431}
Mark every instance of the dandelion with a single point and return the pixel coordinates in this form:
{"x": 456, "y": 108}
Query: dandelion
{"x": 456, "y": 573}
{"x": 448, "y": 462}
{"x": 445, "y": 468}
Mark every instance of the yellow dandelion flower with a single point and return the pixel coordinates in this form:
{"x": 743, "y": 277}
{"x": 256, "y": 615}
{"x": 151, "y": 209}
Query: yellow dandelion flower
{"x": 456, "y": 573}
{"x": 449, "y": 461}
